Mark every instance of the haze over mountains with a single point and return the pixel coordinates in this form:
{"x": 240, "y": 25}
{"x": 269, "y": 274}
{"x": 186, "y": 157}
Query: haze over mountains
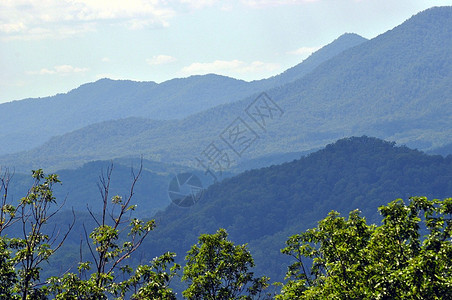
{"x": 395, "y": 86}
{"x": 108, "y": 99}
{"x": 79, "y": 188}
{"x": 319, "y": 137}
{"x": 263, "y": 207}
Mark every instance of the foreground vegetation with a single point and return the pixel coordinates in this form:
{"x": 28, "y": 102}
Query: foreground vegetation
{"x": 408, "y": 256}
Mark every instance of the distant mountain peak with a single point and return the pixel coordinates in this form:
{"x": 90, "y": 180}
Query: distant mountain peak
{"x": 434, "y": 18}
{"x": 342, "y": 43}
{"x": 435, "y": 10}
{"x": 351, "y": 35}
{"x": 356, "y": 144}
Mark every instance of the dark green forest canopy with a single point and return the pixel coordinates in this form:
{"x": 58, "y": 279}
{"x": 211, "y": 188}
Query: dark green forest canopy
{"x": 407, "y": 256}
{"x": 262, "y": 207}
{"x": 109, "y": 228}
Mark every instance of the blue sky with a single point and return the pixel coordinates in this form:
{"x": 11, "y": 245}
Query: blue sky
{"x": 53, "y": 46}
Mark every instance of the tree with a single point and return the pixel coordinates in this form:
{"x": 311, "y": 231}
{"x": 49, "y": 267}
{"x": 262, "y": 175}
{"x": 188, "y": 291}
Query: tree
{"x": 21, "y": 257}
{"x": 117, "y": 236}
{"x": 218, "y": 269}
{"x": 8, "y": 276}
{"x": 37, "y": 244}
{"x": 111, "y": 243}
{"x": 349, "y": 259}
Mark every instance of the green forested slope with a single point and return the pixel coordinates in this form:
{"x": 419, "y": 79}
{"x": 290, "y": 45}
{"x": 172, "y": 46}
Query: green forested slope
{"x": 263, "y": 207}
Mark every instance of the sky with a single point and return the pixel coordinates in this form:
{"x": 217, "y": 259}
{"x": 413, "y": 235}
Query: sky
{"x": 53, "y": 46}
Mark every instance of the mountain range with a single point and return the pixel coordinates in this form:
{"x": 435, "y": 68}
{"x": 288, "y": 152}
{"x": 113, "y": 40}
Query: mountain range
{"x": 284, "y": 151}
{"x": 108, "y": 99}
{"x": 263, "y": 207}
{"x": 395, "y": 86}
{"x": 79, "y": 188}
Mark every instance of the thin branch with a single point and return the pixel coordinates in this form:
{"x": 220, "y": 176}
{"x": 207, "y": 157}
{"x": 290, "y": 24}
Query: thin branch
{"x": 125, "y": 206}
{"x": 89, "y": 244}
{"x": 92, "y": 215}
{"x": 5, "y": 180}
{"x": 126, "y": 254}
{"x": 104, "y": 188}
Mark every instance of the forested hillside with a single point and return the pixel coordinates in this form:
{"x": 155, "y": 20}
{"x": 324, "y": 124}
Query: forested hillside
{"x": 342, "y": 43}
{"x": 262, "y": 207}
{"x": 330, "y": 180}
{"x": 443, "y": 150}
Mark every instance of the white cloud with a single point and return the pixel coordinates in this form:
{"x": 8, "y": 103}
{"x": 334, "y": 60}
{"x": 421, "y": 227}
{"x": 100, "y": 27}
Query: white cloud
{"x": 229, "y": 67}
{"x": 12, "y": 27}
{"x": 271, "y": 3}
{"x": 32, "y": 19}
{"x": 105, "y": 59}
{"x": 228, "y": 5}
{"x": 56, "y": 18}
{"x": 160, "y": 59}
{"x": 198, "y": 4}
{"x": 60, "y": 70}
{"x": 304, "y": 51}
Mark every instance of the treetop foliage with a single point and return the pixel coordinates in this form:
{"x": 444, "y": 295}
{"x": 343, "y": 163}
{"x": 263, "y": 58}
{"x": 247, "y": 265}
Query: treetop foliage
{"x": 409, "y": 256}
{"x": 218, "y": 269}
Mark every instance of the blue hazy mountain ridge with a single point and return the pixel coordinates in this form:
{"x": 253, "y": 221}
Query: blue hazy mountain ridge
{"x": 108, "y": 99}
{"x": 443, "y": 150}
{"x": 395, "y": 86}
{"x": 79, "y": 188}
{"x": 261, "y": 207}
{"x": 264, "y": 207}
{"x": 344, "y": 42}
